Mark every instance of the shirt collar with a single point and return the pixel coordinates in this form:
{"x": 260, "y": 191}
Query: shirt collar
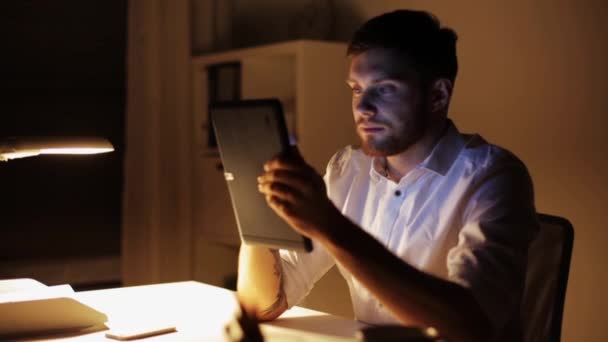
{"x": 441, "y": 158}
{"x": 446, "y": 151}
{"x": 376, "y": 165}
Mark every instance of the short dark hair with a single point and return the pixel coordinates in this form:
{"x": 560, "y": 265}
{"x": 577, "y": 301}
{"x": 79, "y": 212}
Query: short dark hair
{"x": 416, "y": 35}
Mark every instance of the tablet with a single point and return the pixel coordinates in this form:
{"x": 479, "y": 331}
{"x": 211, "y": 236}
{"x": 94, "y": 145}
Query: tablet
{"x": 249, "y": 133}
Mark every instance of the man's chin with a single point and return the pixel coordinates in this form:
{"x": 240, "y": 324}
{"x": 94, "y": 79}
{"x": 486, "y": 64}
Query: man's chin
{"x": 384, "y": 148}
{"x": 374, "y": 151}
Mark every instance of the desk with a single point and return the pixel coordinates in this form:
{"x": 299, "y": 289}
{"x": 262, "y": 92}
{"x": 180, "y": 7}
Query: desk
{"x": 200, "y": 312}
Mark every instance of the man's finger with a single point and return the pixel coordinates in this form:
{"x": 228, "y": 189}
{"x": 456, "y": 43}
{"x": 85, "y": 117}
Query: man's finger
{"x": 282, "y": 163}
{"x": 283, "y": 192}
{"x": 282, "y": 208}
{"x": 296, "y": 180}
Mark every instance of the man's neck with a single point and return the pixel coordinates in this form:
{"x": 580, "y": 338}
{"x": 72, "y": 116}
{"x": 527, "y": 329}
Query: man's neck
{"x": 399, "y": 165}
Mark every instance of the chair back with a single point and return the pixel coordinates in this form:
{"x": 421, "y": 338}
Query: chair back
{"x": 546, "y": 280}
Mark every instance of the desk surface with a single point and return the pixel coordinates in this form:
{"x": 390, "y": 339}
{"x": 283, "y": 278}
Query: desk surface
{"x": 200, "y": 312}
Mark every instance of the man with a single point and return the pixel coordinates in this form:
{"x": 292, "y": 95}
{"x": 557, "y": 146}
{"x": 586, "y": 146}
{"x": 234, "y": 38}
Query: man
{"x": 429, "y": 227}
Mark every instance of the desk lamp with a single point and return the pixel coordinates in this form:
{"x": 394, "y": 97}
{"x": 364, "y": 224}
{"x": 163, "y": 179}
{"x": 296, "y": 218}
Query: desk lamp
{"x": 21, "y": 147}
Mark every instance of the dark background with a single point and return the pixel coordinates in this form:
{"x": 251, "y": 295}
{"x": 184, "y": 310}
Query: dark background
{"x": 62, "y": 73}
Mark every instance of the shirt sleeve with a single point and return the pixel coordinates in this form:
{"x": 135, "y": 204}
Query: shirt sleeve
{"x": 302, "y": 270}
{"x": 499, "y": 223}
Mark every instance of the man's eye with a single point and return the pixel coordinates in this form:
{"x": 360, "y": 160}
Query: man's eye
{"x": 386, "y": 89}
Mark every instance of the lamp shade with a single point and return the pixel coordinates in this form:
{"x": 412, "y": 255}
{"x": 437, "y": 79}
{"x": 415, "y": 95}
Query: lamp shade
{"x": 21, "y": 147}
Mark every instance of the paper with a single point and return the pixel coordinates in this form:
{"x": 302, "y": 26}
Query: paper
{"x": 47, "y": 292}
{"x": 21, "y": 284}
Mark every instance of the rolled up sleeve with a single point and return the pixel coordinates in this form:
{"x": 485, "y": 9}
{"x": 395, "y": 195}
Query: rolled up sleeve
{"x": 302, "y": 270}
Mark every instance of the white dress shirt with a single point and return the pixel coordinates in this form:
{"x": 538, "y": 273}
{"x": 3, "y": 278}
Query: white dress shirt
{"x": 465, "y": 214}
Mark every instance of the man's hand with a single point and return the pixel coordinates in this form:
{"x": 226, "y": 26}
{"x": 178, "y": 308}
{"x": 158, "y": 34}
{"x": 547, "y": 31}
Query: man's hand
{"x": 296, "y": 192}
{"x": 243, "y": 328}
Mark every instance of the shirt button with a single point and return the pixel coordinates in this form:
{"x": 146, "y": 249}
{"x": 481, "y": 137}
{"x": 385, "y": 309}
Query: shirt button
{"x": 397, "y": 193}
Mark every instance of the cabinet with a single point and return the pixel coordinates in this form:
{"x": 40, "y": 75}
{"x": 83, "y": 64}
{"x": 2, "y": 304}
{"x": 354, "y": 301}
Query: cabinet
{"x": 308, "y": 77}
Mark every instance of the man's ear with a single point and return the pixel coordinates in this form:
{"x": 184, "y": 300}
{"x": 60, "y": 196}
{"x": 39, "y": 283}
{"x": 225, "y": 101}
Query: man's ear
{"x": 440, "y": 93}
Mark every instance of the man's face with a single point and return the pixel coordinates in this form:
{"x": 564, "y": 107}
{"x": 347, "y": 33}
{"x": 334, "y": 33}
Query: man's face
{"x": 387, "y": 102}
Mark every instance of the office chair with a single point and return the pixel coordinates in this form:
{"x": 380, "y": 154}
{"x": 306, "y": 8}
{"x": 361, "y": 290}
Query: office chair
{"x": 546, "y": 280}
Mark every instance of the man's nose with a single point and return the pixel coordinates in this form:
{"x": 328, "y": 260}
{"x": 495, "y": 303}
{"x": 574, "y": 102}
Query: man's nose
{"x": 365, "y": 106}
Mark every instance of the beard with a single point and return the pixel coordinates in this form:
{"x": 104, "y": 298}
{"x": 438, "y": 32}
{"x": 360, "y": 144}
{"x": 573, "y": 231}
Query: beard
{"x": 397, "y": 138}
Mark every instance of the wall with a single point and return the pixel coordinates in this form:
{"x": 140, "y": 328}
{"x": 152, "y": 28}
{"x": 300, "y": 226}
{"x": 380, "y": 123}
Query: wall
{"x": 531, "y": 80}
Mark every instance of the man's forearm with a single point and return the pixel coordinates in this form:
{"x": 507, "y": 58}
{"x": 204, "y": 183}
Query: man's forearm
{"x": 260, "y": 282}
{"x": 415, "y": 297}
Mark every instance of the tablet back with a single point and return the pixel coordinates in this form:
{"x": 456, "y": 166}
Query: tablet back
{"x": 249, "y": 133}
